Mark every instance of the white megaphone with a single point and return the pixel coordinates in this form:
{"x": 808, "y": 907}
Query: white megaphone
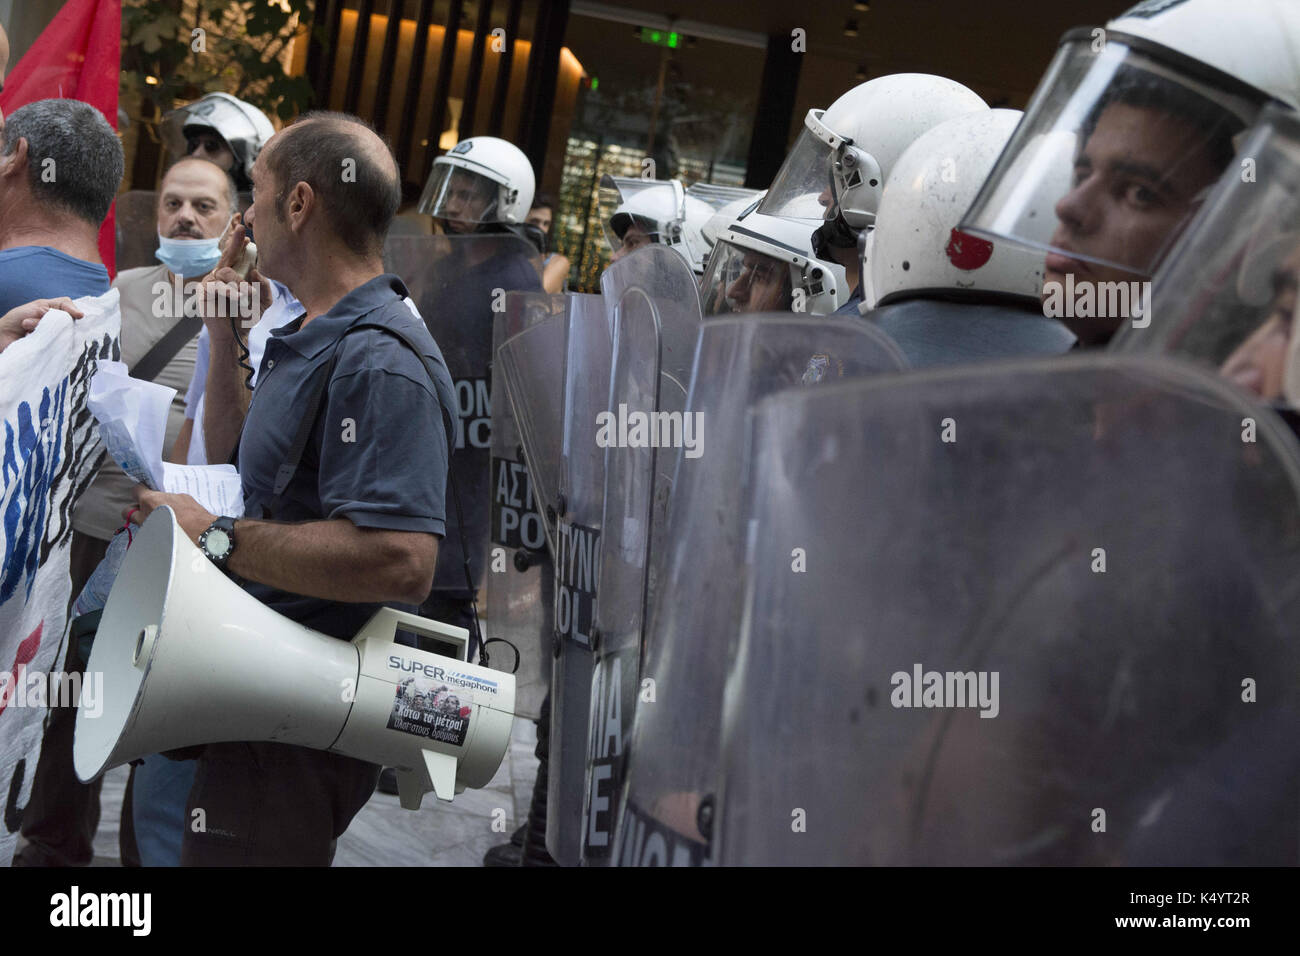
{"x": 189, "y": 658}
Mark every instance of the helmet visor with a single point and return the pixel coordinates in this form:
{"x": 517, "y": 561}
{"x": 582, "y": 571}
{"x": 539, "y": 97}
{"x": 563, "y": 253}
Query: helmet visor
{"x": 460, "y": 198}
{"x": 1226, "y": 295}
{"x": 802, "y": 189}
{"x": 740, "y": 280}
{"x": 1114, "y": 155}
{"x": 722, "y": 197}
{"x": 636, "y": 212}
{"x": 217, "y": 119}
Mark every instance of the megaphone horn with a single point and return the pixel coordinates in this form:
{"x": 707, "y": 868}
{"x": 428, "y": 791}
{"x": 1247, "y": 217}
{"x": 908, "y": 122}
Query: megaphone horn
{"x": 189, "y": 658}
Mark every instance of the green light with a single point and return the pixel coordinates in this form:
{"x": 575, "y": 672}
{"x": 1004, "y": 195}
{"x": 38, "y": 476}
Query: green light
{"x": 594, "y": 83}
{"x": 660, "y": 37}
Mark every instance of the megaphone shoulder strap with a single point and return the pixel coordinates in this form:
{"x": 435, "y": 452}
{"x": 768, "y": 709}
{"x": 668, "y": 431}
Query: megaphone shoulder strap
{"x": 284, "y": 475}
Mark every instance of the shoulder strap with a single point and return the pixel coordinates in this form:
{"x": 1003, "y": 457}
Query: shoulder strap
{"x": 166, "y": 348}
{"x": 289, "y": 467}
{"x": 430, "y": 369}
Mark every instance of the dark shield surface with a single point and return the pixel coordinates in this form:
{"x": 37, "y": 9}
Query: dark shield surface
{"x": 459, "y": 284}
{"x": 642, "y": 433}
{"x": 520, "y": 571}
{"x": 1045, "y": 615}
{"x": 575, "y": 511}
{"x": 671, "y": 771}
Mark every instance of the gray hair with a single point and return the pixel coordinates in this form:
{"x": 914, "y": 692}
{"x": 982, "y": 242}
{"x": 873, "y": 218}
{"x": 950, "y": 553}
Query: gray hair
{"x": 87, "y": 158}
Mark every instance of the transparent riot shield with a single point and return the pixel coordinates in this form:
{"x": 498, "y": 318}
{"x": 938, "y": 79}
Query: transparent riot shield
{"x": 520, "y": 571}
{"x": 1226, "y": 295}
{"x": 653, "y": 273}
{"x": 532, "y": 365}
{"x": 1038, "y": 613}
{"x": 629, "y": 481}
{"x": 459, "y": 283}
{"x": 670, "y": 775}
{"x": 575, "y": 509}
{"x": 655, "y": 313}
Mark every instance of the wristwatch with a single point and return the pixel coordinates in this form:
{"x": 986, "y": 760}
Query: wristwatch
{"x": 218, "y": 542}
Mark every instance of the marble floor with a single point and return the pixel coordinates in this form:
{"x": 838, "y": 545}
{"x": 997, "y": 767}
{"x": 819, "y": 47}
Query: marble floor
{"x": 383, "y": 834}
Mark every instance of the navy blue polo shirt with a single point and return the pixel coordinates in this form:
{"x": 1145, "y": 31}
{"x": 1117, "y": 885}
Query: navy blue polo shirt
{"x": 378, "y": 452}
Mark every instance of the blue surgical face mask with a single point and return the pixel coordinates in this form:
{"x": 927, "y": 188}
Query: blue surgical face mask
{"x": 188, "y": 258}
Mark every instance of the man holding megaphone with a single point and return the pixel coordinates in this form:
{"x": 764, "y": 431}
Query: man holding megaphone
{"x": 344, "y": 513}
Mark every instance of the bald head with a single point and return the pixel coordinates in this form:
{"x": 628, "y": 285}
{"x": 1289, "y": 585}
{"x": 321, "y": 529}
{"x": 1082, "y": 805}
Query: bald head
{"x": 351, "y": 172}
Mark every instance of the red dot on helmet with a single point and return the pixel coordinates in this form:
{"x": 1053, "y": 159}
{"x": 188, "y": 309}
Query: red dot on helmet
{"x": 968, "y": 252}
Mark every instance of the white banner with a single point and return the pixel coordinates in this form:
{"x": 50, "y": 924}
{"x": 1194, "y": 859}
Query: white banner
{"x": 48, "y": 442}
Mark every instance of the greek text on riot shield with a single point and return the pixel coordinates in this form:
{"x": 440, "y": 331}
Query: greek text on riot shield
{"x": 630, "y": 480}
{"x": 459, "y": 284}
{"x": 576, "y": 515}
{"x": 671, "y": 766}
{"x": 519, "y": 605}
{"x": 516, "y": 519}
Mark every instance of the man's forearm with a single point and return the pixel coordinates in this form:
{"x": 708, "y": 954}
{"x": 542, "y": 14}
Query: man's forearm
{"x": 181, "y": 449}
{"x": 335, "y": 560}
{"x": 225, "y": 400}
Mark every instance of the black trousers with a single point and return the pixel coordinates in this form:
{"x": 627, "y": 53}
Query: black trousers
{"x": 269, "y": 804}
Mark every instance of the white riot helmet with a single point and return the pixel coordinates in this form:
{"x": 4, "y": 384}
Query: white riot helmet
{"x": 844, "y": 154}
{"x": 636, "y": 212}
{"x": 243, "y": 126}
{"x": 726, "y": 215}
{"x": 481, "y": 180}
{"x": 916, "y": 247}
{"x": 766, "y": 264}
{"x": 1143, "y": 115}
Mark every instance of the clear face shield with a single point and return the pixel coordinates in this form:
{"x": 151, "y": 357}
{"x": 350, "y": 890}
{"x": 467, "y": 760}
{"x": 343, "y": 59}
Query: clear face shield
{"x": 637, "y": 212}
{"x": 1226, "y": 295}
{"x": 181, "y": 127}
{"x": 461, "y": 199}
{"x": 1114, "y": 155}
{"x": 745, "y": 281}
{"x": 803, "y": 188}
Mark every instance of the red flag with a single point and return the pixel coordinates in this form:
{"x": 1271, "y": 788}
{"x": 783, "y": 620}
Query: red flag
{"x": 78, "y": 56}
